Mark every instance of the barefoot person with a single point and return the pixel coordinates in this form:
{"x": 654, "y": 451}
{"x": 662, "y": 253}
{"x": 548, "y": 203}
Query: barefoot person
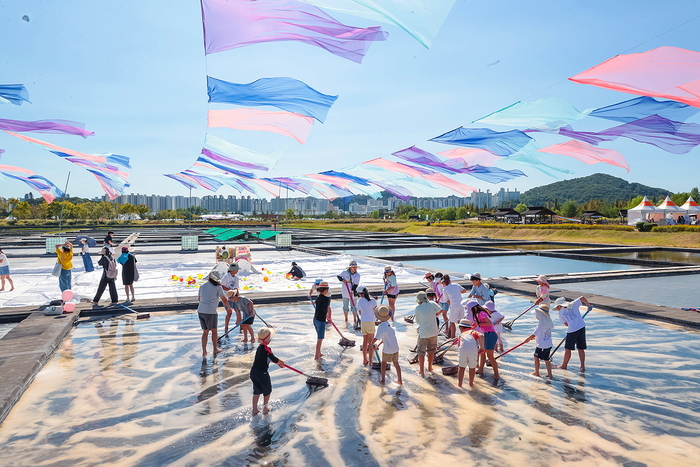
{"x": 390, "y": 351}
{"x": 391, "y": 289}
{"x": 5, "y": 272}
{"x": 230, "y": 283}
{"x": 542, "y": 291}
{"x": 451, "y": 292}
{"x": 258, "y": 372}
{"x": 322, "y": 313}
{"x": 468, "y": 351}
{"x": 366, "y": 304}
{"x": 480, "y": 316}
{"x": 543, "y": 338}
{"x": 426, "y": 313}
{"x": 479, "y": 291}
{"x": 570, "y": 316}
{"x": 350, "y": 279}
{"x": 128, "y": 262}
{"x": 210, "y": 293}
{"x": 244, "y": 308}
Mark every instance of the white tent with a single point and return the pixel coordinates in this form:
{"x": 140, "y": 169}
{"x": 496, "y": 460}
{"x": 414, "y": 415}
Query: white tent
{"x": 692, "y": 208}
{"x": 668, "y": 209}
{"x": 641, "y": 212}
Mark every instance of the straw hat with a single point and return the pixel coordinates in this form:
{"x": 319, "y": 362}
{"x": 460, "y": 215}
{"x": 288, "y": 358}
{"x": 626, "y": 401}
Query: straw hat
{"x": 353, "y": 264}
{"x": 382, "y": 313}
{"x": 429, "y": 291}
{"x": 421, "y": 297}
{"x": 560, "y": 302}
{"x": 490, "y": 306}
{"x": 542, "y": 279}
{"x": 323, "y": 284}
{"x": 475, "y": 277}
{"x": 266, "y": 334}
{"x": 234, "y": 267}
{"x": 465, "y": 323}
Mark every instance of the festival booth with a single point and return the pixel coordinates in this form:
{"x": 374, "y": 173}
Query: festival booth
{"x": 538, "y": 215}
{"x": 643, "y": 212}
{"x": 508, "y": 215}
{"x": 668, "y": 210}
{"x": 591, "y": 216}
{"x": 692, "y": 210}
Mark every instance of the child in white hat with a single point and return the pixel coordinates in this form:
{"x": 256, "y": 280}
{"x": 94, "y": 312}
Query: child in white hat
{"x": 497, "y": 319}
{"x": 570, "y": 316}
{"x": 386, "y": 334}
{"x": 468, "y": 351}
{"x": 351, "y": 280}
{"x": 542, "y": 291}
{"x": 543, "y": 337}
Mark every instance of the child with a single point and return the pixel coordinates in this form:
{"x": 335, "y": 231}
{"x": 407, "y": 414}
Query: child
{"x": 244, "y": 308}
{"x": 314, "y": 286}
{"x": 497, "y": 319}
{"x": 542, "y": 291}
{"x": 322, "y": 314}
{"x": 296, "y": 273}
{"x": 209, "y": 295}
{"x": 570, "y": 316}
{"x": 391, "y": 289}
{"x": 543, "y": 337}
{"x": 350, "y": 279}
{"x": 385, "y": 333}
{"x": 258, "y": 373}
{"x": 366, "y": 304}
{"x": 482, "y": 319}
{"x": 451, "y": 293}
{"x": 468, "y": 351}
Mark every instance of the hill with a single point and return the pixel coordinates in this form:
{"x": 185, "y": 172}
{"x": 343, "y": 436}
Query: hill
{"x": 597, "y": 186}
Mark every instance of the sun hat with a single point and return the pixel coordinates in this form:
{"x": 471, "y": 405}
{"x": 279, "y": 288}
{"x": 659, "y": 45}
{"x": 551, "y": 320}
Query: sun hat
{"x": 387, "y": 268}
{"x": 561, "y": 301}
{"x": 234, "y": 267}
{"x": 361, "y": 289}
{"x": 215, "y": 276}
{"x": 421, "y": 297}
{"x": 266, "y": 334}
{"x": 475, "y": 277}
{"x": 353, "y": 264}
{"x": 465, "y": 323}
{"x": 542, "y": 279}
{"x": 429, "y": 291}
{"x": 490, "y": 306}
{"x": 428, "y": 274}
{"x": 382, "y": 313}
{"x": 471, "y": 303}
{"x": 323, "y": 284}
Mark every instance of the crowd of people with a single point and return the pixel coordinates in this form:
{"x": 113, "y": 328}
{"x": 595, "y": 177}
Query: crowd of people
{"x": 473, "y": 323}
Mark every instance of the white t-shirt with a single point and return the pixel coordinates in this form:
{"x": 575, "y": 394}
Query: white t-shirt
{"x": 387, "y": 334}
{"x": 230, "y": 282}
{"x": 543, "y": 336}
{"x": 467, "y": 343}
{"x": 353, "y": 279}
{"x": 571, "y": 315}
{"x": 3, "y": 260}
{"x": 425, "y": 318}
{"x": 366, "y": 308}
{"x": 453, "y": 293}
{"x": 439, "y": 291}
{"x": 495, "y": 316}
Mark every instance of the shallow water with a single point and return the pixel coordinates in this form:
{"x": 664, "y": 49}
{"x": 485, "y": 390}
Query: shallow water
{"x": 404, "y": 251}
{"x": 673, "y": 291}
{"x": 673, "y": 256}
{"x": 518, "y": 265}
{"x": 546, "y": 246}
{"x": 138, "y": 394}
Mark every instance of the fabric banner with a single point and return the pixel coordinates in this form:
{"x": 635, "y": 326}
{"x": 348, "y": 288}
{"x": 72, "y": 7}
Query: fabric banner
{"x": 661, "y": 72}
{"x": 553, "y": 112}
{"x": 42, "y": 185}
{"x": 419, "y": 18}
{"x": 284, "y": 93}
{"x": 588, "y": 154}
{"x": 237, "y": 154}
{"x": 440, "y": 179}
{"x": 395, "y": 167}
{"x": 640, "y": 107}
{"x": 499, "y": 143}
{"x": 13, "y": 94}
{"x": 226, "y": 163}
{"x": 471, "y": 155}
{"x": 232, "y": 24}
{"x": 674, "y": 137}
{"x": 46, "y": 126}
{"x": 288, "y": 124}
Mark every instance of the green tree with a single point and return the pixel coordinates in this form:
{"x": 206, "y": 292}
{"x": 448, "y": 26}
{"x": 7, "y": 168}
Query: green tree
{"x": 142, "y": 210}
{"x": 521, "y": 208}
{"x": 127, "y": 208}
{"x": 289, "y": 214}
{"x": 569, "y": 209}
{"x": 81, "y": 211}
{"x": 22, "y": 210}
{"x": 462, "y": 212}
{"x": 374, "y": 215}
{"x": 695, "y": 194}
{"x": 451, "y": 214}
{"x": 634, "y": 202}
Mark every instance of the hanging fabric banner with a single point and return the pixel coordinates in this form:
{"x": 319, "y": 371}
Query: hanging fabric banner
{"x": 42, "y": 185}
{"x": 500, "y": 143}
{"x": 661, "y": 72}
{"x": 232, "y": 24}
{"x": 588, "y": 154}
{"x": 421, "y": 19}
{"x": 13, "y": 94}
{"x": 46, "y": 126}
{"x": 674, "y": 137}
{"x": 553, "y": 112}
{"x": 284, "y": 93}
{"x": 471, "y": 155}
{"x": 640, "y": 107}
{"x": 283, "y": 123}
{"x": 229, "y": 153}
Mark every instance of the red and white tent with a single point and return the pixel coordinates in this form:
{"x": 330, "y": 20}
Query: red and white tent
{"x": 641, "y": 212}
{"x": 668, "y": 205}
{"x": 691, "y": 206}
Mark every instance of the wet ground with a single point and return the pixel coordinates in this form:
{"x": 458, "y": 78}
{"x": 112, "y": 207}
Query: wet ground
{"x": 121, "y": 392}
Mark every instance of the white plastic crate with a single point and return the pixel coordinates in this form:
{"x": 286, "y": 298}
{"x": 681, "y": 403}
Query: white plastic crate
{"x": 51, "y": 243}
{"x": 283, "y": 240}
{"x": 190, "y": 243}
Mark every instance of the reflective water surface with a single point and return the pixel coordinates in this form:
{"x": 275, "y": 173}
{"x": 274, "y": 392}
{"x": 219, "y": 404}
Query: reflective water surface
{"x": 403, "y": 251}
{"x": 673, "y": 256}
{"x": 518, "y": 265}
{"x": 120, "y": 392}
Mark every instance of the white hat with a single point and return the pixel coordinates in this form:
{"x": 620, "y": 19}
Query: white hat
{"x": 542, "y": 279}
{"x": 471, "y": 303}
{"x": 353, "y": 264}
{"x": 361, "y": 289}
{"x": 561, "y": 301}
{"x": 490, "y": 306}
{"x": 215, "y": 276}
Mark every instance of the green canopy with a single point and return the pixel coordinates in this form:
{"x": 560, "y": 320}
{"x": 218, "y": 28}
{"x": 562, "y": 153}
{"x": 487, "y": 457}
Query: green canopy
{"x": 215, "y": 230}
{"x": 266, "y": 234}
{"x": 228, "y": 235}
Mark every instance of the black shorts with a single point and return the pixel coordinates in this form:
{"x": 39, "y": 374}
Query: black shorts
{"x": 542, "y": 354}
{"x": 261, "y": 382}
{"x": 392, "y": 295}
{"x": 576, "y": 339}
{"x": 249, "y": 320}
{"x": 208, "y": 321}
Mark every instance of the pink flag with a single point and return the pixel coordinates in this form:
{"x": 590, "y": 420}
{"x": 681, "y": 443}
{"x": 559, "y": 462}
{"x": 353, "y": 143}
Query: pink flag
{"x": 284, "y": 123}
{"x": 50, "y": 146}
{"x": 668, "y": 72}
{"x": 587, "y": 153}
{"x": 341, "y": 182}
{"x": 12, "y": 168}
{"x": 453, "y": 185}
{"x": 471, "y": 155}
{"x": 394, "y": 167}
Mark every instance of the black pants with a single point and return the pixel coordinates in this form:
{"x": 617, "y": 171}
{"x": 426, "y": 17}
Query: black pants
{"x": 104, "y": 282}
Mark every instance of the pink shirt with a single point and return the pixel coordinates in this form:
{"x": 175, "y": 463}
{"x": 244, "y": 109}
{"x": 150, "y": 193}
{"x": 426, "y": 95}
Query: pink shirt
{"x": 483, "y": 316}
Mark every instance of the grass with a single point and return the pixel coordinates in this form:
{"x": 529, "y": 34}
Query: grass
{"x": 590, "y": 235}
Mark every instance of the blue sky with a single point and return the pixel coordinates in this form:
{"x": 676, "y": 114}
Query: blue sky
{"x": 135, "y": 73}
